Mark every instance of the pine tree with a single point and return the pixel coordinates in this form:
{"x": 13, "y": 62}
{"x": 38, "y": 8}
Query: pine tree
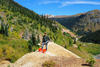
{"x": 6, "y": 29}
{"x": 2, "y": 28}
{"x": 32, "y": 42}
{"x": 38, "y": 39}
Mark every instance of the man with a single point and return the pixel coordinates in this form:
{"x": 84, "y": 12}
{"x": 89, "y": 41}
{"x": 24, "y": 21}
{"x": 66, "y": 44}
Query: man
{"x": 45, "y": 41}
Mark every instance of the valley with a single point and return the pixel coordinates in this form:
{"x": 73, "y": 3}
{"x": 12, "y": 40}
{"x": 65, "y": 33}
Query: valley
{"x": 74, "y": 40}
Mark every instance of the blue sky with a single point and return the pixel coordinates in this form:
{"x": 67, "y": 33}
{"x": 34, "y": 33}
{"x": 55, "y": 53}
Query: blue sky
{"x": 60, "y": 7}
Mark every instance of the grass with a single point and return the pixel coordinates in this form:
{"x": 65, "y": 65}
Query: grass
{"x": 94, "y": 49}
{"x": 85, "y": 50}
{"x": 78, "y": 52}
{"x": 12, "y": 49}
{"x": 88, "y": 48}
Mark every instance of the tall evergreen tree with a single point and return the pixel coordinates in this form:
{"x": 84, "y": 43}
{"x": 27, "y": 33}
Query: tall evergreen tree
{"x": 32, "y": 42}
{"x": 4, "y": 29}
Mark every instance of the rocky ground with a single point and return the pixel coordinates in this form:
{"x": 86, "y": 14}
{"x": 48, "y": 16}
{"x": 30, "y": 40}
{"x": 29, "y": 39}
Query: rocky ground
{"x": 56, "y": 53}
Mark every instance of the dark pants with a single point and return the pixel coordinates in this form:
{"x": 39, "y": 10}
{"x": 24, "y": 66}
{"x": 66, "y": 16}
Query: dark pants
{"x": 44, "y": 43}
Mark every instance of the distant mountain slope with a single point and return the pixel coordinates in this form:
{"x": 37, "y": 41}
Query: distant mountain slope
{"x": 81, "y": 23}
{"x": 93, "y": 37}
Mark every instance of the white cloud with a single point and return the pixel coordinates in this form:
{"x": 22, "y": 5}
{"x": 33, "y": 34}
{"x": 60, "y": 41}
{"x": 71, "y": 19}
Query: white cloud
{"x": 50, "y": 2}
{"x": 79, "y": 2}
{"x": 71, "y": 2}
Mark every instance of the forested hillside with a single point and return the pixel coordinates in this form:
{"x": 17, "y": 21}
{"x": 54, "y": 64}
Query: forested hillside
{"x": 21, "y": 28}
{"x": 81, "y": 23}
{"x": 93, "y": 37}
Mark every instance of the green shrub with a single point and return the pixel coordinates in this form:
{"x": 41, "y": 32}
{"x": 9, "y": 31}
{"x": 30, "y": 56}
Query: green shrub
{"x": 49, "y": 63}
{"x": 35, "y": 48}
{"x": 79, "y": 46}
{"x": 91, "y": 61}
{"x": 1, "y": 52}
{"x": 8, "y": 65}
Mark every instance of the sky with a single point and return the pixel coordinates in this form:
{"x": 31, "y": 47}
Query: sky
{"x": 60, "y": 7}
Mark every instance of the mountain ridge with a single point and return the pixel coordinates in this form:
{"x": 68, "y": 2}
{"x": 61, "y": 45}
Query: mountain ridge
{"x": 63, "y": 16}
{"x": 80, "y": 23}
